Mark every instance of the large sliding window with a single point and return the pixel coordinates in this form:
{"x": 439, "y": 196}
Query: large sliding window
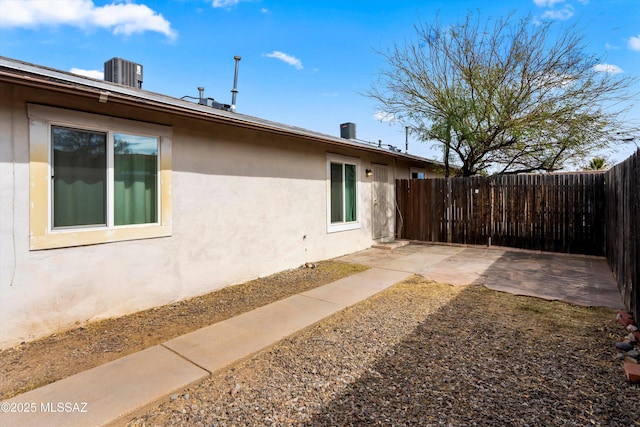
{"x": 343, "y": 193}
{"x": 109, "y": 179}
{"x": 81, "y": 184}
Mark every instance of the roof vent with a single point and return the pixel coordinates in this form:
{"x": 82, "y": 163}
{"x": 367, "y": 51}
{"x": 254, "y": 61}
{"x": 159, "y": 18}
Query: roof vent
{"x": 118, "y": 70}
{"x": 348, "y": 130}
{"x": 234, "y": 91}
{"x": 209, "y": 102}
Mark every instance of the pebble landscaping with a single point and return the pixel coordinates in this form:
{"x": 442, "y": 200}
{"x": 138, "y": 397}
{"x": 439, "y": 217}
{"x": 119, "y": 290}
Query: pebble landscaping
{"x": 426, "y": 354}
{"x": 628, "y": 347}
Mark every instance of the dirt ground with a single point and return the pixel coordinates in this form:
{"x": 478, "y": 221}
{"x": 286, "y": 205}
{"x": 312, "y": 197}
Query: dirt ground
{"x": 37, "y": 363}
{"x": 422, "y": 353}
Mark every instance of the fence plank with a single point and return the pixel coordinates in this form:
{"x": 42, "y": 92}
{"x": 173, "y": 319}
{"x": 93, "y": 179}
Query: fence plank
{"x": 559, "y": 212}
{"x": 588, "y": 213}
{"x": 622, "y": 228}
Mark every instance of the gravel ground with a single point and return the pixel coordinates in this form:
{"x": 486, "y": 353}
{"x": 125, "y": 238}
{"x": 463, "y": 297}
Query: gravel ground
{"x": 36, "y": 363}
{"x": 425, "y": 354}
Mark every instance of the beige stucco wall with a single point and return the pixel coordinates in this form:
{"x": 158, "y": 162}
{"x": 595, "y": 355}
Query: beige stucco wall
{"x": 245, "y": 204}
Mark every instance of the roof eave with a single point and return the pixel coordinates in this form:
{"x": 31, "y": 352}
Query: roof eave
{"x": 45, "y": 78}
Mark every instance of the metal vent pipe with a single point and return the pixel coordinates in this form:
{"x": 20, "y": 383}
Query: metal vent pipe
{"x": 234, "y": 91}
{"x": 201, "y": 99}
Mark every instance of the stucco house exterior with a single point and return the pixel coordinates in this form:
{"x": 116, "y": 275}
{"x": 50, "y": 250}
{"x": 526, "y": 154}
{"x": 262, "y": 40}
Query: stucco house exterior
{"x": 114, "y": 199}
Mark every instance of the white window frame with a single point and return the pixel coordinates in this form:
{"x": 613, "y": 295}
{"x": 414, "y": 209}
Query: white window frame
{"x": 42, "y": 233}
{"x": 343, "y": 226}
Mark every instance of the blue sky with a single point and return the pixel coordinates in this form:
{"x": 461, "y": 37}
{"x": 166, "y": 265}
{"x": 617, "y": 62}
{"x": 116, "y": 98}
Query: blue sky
{"x": 304, "y": 63}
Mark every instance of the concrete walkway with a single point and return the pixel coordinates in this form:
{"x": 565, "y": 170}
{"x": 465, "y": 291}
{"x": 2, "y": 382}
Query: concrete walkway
{"x": 108, "y": 394}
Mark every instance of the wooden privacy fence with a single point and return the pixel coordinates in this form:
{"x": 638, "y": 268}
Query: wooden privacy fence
{"x": 583, "y": 213}
{"x": 552, "y": 212}
{"x": 622, "y": 197}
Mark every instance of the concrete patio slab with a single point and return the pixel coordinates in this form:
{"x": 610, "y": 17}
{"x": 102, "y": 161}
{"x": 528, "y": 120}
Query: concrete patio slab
{"x": 420, "y": 263}
{"x": 464, "y": 267}
{"x": 104, "y": 394}
{"x": 374, "y": 257}
{"x": 576, "y": 279}
{"x": 582, "y": 280}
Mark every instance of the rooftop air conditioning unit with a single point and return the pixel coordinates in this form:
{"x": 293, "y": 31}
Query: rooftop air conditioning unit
{"x": 118, "y": 70}
{"x": 348, "y": 130}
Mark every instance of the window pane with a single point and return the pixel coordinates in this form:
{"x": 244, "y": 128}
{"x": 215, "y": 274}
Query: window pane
{"x": 350, "y": 192}
{"x": 79, "y": 177}
{"x": 135, "y": 172}
{"x": 336, "y": 193}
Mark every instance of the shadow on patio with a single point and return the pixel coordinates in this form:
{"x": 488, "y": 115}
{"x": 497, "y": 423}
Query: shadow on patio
{"x": 578, "y": 279}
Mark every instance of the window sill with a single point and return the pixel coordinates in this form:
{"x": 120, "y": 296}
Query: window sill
{"x": 68, "y": 238}
{"x": 334, "y": 228}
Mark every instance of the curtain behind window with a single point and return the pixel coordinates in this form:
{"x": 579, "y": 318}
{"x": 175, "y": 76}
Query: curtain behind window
{"x": 350, "y": 193}
{"x": 135, "y": 172}
{"x": 336, "y": 193}
{"x": 79, "y": 177}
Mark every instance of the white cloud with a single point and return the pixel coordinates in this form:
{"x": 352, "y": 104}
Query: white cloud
{"x": 224, "y": 3}
{"x": 291, "y": 60}
{"x": 121, "y": 18}
{"x": 94, "y": 74}
{"x": 561, "y": 14}
{"x": 564, "y": 10}
{"x": 554, "y": 80}
{"x": 547, "y": 3}
{"x": 634, "y": 43}
{"x": 132, "y": 18}
{"x": 384, "y": 116}
{"x": 608, "y": 68}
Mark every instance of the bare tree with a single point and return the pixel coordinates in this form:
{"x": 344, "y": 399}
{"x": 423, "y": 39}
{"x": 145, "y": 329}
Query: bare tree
{"x": 502, "y": 95}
